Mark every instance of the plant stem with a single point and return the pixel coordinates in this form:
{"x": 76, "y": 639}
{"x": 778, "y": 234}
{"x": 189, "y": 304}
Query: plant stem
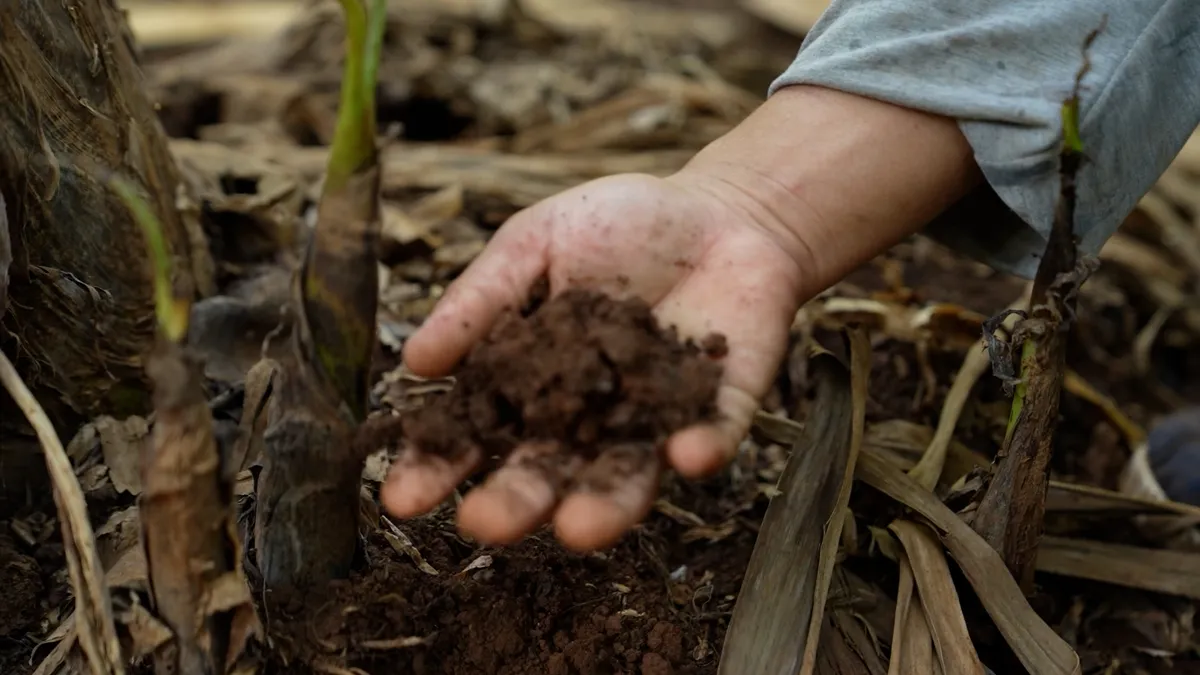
{"x": 1012, "y": 509}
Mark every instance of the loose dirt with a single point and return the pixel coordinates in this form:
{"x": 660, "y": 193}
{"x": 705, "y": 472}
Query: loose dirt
{"x": 22, "y": 583}
{"x": 651, "y": 606}
{"x": 584, "y": 374}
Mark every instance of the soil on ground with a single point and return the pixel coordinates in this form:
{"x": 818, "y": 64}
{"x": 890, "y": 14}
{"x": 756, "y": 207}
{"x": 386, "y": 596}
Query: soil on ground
{"x": 653, "y": 605}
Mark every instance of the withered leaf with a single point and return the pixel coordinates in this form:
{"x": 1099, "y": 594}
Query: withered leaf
{"x": 121, "y": 441}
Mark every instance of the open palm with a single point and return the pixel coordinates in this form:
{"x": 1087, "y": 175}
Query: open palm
{"x": 703, "y": 264}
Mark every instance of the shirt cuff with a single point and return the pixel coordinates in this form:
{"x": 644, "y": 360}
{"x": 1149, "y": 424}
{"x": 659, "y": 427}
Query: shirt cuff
{"x": 1003, "y": 70}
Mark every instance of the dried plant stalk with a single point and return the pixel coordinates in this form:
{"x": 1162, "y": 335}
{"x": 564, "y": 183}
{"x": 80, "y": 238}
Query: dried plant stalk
{"x": 94, "y": 626}
{"x": 1012, "y": 509}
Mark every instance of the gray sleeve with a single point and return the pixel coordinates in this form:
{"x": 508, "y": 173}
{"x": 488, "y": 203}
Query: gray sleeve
{"x": 1002, "y": 69}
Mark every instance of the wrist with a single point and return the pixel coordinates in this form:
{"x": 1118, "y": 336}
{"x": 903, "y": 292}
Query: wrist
{"x": 834, "y": 178}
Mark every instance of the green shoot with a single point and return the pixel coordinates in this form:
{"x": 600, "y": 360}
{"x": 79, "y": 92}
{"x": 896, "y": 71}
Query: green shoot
{"x": 1070, "y": 120}
{"x": 376, "y": 28}
{"x": 172, "y": 312}
{"x": 354, "y": 137}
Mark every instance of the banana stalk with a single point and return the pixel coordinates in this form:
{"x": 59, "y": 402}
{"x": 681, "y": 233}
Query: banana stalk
{"x": 306, "y": 522}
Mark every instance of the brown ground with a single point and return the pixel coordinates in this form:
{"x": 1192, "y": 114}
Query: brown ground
{"x": 531, "y": 608}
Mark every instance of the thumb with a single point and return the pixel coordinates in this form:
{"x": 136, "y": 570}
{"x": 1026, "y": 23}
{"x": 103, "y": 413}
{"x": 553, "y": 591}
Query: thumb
{"x": 498, "y": 280}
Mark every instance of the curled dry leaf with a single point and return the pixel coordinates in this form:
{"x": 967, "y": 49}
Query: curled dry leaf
{"x": 939, "y": 599}
{"x": 847, "y": 645}
{"x": 480, "y": 563}
{"x": 122, "y": 441}
{"x": 942, "y": 324}
{"x": 1036, "y": 644}
{"x": 778, "y": 613}
{"x": 105, "y": 454}
{"x": 188, "y": 525}
{"x": 247, "y": 449}
{"x": 1170, "y": 572}
{"x": 117, "y": 535}
{"x": 928, "y": 471}
{"x": 912, "y": 643}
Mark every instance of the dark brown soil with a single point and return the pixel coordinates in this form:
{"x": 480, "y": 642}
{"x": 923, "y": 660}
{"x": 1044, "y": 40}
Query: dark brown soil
{"x": 588, "y": 373}
{"x": 21, "y": 581}
{"x": 525, "y": 609}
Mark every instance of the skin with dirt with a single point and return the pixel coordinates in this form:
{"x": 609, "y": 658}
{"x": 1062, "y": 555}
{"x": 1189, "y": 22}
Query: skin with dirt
{"x": 584, "y": 376}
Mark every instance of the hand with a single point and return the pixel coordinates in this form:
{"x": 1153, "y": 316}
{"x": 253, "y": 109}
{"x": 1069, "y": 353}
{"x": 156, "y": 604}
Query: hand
{"x": 703, "y": 262}
{"x": 813, "y": 184}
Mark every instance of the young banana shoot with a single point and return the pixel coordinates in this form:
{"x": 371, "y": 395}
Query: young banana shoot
{"x": 306, "y": 523}
{"x": 188, "y": 527}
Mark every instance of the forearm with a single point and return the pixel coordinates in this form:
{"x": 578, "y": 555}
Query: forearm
{"x": 1003, "y": 69}
{"x": 838, "y": 178}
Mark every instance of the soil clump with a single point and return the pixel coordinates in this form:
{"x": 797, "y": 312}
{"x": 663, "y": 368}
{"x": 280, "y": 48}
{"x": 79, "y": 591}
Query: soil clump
{"x": 584, "y": 375}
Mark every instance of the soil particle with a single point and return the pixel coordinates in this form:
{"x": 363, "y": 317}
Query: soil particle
{"x": 666, "y": 639}
{"x": 22, "y": 582}
{"x": 584, "y": 374}
{"x": 653, "y": 664}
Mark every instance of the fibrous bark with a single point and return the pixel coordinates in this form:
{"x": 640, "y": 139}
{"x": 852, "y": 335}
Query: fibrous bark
{"x": 79, "y": 316}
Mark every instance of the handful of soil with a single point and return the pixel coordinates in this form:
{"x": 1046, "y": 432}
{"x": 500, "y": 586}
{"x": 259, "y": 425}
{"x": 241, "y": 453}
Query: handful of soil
{"x": 583, "y": 372}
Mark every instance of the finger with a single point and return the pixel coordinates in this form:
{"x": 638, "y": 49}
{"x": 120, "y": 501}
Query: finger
{"x": 518, "y": 498}
{"x": 614, "y": 494}
{"x": 702, "y": 450}
{"x": 417, "y": 483}
{"x": 749, "y": 297}
{"x": 497, "y": 280}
